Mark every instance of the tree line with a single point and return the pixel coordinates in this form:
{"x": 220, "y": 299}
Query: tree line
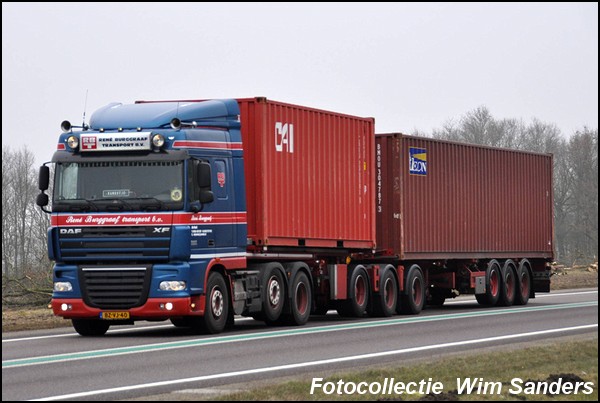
{"x": 27, "y": 271}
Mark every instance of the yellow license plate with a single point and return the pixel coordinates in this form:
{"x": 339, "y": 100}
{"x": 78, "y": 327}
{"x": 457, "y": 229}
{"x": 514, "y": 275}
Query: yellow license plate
{"x": 114, "y": 315}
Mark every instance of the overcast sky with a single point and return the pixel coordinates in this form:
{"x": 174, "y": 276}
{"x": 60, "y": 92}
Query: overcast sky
{"x": 410, "y": 66}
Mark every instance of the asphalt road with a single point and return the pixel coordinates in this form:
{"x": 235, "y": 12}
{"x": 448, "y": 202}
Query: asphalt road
{"x": 153, "y": 358}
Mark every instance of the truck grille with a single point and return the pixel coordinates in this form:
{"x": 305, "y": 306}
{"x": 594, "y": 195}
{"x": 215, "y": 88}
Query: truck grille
{"x": 115, "y": 287}
{"x": 140, "y": 243}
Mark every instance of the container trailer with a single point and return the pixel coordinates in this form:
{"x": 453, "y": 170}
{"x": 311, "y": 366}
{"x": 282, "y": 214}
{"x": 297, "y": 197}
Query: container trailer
{"x": 471, "y": 218}
{"x": 196, "y": 211}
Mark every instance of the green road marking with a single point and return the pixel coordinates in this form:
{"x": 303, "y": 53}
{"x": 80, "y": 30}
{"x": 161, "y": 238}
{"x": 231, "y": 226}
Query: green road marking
{"x": 274, "y": 334}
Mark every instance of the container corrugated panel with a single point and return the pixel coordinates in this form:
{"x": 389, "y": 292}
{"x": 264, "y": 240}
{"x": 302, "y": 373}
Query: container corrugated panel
{"x": 437, "y": 199}
{"x": 309, "y": 176}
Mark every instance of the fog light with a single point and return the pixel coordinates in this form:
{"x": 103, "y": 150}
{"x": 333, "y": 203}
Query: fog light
{"x": 66, "y": 307}
{"x": 169, "y": 306}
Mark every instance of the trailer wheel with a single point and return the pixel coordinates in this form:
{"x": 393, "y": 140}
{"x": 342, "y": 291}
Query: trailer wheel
{"x": 273, "y": 295}
{"x": 508, "y": 288}
{"x": 384, "y": 303}
{"x": 90, "y": 327}
{"x": 413, "y": 301}
{"x": 358, "y": 295}
{"x": 217, "y": 304}
{"x": 301, "y": 300}
{"x": 523, "y": 285}
{"x": 493, "y": 281}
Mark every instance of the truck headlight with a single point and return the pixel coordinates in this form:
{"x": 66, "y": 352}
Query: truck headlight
{"x": 73, "y": 142}
{"x": 158, "y": 140}
{"x": 63, "y": 286}
{"x": 172, "y": 285}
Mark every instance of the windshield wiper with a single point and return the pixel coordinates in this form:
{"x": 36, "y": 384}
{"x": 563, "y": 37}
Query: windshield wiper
{"x": 117, "y": 204}
{"x": 77, "y": 205}
{"x": 154, "y": 203}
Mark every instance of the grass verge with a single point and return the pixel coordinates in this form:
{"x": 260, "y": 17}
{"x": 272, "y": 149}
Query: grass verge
{"x": 34, "y": 318}
{"x": 573, "y": 361}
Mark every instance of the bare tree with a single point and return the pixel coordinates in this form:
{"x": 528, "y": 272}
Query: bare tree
{"x": 563, "y": 212}
{"x": 8, "y": 214}
{"x": 583, "y": 167}
{"x": 542, "y": 138}
{"x": 26, "y": 269}
{"x": 480, "y": 127}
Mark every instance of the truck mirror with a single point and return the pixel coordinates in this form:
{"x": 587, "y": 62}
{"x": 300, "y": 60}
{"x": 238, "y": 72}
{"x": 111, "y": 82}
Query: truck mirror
{"x": 44, "y": 178}
{"x": 204, "y": 175}
{"x": 42, "y": 200}
{"x": 206, "y": 196}
{"x": 203, "y": 183}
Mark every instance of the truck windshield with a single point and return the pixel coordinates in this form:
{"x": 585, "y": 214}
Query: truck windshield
{"x": 118, "y": 185}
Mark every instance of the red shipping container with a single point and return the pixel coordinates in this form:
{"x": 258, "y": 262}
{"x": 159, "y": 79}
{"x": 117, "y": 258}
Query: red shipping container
{"x": 444, "y": 200}
{"x": 309, "y": 176}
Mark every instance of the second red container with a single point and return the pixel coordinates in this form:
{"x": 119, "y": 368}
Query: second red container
{"x": 444, "y": 200}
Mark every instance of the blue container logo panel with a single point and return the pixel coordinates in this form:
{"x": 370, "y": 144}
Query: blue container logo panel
{"x": 417, "y": 161}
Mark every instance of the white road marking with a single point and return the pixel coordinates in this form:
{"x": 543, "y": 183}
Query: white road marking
{"x": 313, "y": 363}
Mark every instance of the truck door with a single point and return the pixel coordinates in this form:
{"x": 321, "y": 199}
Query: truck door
{"x": 214, "y": 227}
{"x": 223, "y": 205}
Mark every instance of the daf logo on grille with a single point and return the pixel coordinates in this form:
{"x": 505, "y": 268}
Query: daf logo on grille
{"x": 161, "y": 230}
{"x": 71, "y": 230}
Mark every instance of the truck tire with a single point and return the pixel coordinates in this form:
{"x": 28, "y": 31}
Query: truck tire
{"x": 413, "y": 301}
{"x": 384, "y": 303}
{"x": 300, "y": 300}
{"x": 216, "y": 309}
{"x": 493, "y": 281}
{"x": 358, "y": 295}
{"x": 508, "y": 288}
{"x": 523, "y": 285}
{"x": 90, "y": 327}
{"x": 273, "y": 294}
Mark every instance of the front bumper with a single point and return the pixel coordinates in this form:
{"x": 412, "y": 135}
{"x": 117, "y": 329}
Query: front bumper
{"x": 153, "y": 309}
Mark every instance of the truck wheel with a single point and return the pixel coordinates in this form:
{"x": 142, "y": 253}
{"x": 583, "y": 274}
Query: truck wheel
{"x": 90, "y": 327}
{"x": 523, "y": 285}
{"x": 508, "y": 287}
{"x": 384, "y": 303}
{"x": 301, "y": 300}
{"x": 413, "y": 301}
{"x": 273, "y": 295}
{"x": 217, "y": 304}
{"x": 493, "y": 281}
{"x": 358, "y": 295}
